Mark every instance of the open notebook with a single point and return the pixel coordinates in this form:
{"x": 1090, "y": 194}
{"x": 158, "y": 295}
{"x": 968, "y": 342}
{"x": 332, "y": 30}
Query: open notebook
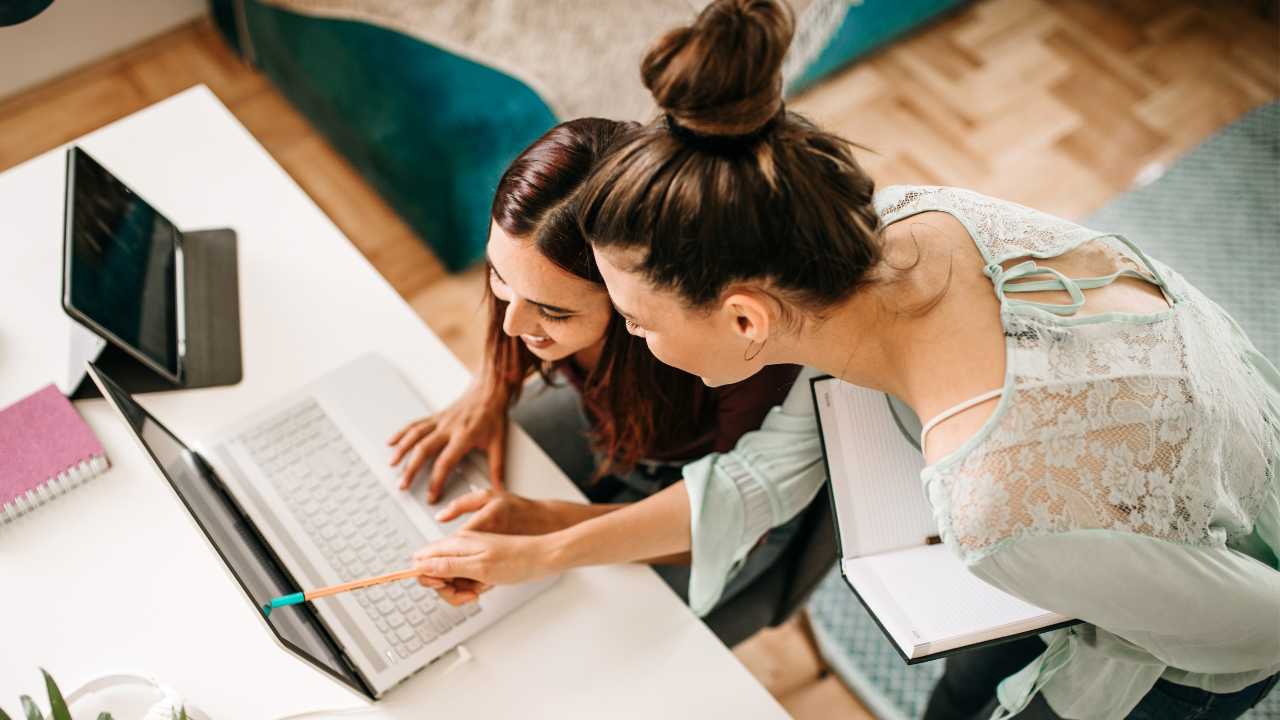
{"x": 921, "y": 595}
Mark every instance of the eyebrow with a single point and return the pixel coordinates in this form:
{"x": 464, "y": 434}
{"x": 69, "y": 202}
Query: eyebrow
{"x": 544, "y": 306}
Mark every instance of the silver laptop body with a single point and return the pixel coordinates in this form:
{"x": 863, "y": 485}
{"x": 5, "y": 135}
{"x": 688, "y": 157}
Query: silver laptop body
{"x": 310, "y": 471}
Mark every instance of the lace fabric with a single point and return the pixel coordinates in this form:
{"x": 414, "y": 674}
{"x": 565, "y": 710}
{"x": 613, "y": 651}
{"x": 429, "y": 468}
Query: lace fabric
{"x": 1150, "y": 424}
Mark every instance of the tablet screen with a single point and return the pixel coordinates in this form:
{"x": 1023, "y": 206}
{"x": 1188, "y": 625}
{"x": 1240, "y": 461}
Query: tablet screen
{"x": 121, "y": 272}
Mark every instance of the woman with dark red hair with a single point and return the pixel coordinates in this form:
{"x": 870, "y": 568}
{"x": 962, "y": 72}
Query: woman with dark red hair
{"x": 621, "y": 424}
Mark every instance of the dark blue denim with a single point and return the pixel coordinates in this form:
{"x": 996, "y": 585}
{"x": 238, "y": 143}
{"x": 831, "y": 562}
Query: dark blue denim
{"x": 966, "y": 690}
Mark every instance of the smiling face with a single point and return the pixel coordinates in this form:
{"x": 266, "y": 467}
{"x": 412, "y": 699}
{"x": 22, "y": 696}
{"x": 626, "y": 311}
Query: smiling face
{"x": 724, "y": 345}
{"x": 555, "y": 312}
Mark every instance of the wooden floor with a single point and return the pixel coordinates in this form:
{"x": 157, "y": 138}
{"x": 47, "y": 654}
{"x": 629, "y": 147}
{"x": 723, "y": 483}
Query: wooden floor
{"x": 1056, "y": 104}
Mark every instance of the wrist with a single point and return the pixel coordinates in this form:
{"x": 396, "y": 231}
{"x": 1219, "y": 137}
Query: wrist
{"x": 561, "y": 550}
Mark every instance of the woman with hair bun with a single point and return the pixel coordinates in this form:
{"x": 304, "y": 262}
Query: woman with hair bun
{"x": 619, "y": 423}
{"x": 1102, "y": 440}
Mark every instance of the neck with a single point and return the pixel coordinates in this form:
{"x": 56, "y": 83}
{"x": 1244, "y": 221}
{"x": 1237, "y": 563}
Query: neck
{"x": 858, "y": 343}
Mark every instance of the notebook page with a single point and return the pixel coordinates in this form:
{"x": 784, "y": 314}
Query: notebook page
{"x": 875, "y": 472}
{"x": 930, "y": 602}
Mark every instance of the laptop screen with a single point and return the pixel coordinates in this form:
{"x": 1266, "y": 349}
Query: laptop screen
{"x": 236, "y": 539}
{"x": 121, "y": 271}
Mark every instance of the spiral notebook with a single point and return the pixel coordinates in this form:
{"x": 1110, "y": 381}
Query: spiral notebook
{"x": 46, "y": 449}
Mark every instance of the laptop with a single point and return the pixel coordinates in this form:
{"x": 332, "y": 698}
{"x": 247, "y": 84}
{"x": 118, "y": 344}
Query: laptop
{"x": 298, "y": 495}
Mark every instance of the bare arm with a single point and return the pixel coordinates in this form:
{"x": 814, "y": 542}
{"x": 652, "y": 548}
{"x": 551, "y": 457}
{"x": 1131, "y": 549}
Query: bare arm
{"x": 656, "y": 527}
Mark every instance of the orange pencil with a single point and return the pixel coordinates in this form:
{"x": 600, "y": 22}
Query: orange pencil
{"x": 301, "y": 597}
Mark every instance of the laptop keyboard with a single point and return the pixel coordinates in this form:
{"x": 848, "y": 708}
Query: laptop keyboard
{"x": 352, "y": 520}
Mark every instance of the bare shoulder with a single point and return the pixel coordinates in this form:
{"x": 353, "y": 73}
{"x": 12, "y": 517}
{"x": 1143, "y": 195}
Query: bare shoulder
{"x": 955, "y": 351}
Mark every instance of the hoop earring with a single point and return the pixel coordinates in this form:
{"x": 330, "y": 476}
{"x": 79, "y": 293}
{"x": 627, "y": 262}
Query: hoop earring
{"x": 753, "y": 357}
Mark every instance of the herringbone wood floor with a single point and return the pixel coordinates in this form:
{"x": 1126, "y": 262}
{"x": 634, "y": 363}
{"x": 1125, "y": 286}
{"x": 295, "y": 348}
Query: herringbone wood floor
{"x": 1056, "y": 104}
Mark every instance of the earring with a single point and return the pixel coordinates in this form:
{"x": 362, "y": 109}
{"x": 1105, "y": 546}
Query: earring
{"x": 753, "y": 357}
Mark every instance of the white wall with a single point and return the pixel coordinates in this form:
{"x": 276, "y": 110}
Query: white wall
{"x": 73, "y": 33}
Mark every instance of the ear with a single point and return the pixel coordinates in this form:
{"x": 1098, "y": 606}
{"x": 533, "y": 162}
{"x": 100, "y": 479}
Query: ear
{"x": 751, "y": 318}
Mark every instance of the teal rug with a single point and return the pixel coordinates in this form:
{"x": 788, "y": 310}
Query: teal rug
{"x": 1213, "y": 216}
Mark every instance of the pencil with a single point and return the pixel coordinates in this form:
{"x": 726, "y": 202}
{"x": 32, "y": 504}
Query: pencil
{"x": 308, "y": 595}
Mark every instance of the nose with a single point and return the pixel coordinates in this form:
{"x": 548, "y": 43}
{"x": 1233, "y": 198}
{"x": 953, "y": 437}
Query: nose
{"x": 520, "y": 319}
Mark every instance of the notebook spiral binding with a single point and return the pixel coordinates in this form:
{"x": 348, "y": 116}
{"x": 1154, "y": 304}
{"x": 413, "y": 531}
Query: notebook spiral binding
{"x": 73, "y": 477}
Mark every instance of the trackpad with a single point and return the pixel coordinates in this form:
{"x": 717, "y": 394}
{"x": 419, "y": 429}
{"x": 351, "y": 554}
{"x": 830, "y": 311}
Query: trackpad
{"x": 470, "y": 475}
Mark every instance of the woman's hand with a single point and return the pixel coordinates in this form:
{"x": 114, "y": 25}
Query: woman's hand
{"x": 506, "y": 514}
{"x": 478, "y": 420}
{"x": 467, "y": 563}
{"x": 503, "y": 513}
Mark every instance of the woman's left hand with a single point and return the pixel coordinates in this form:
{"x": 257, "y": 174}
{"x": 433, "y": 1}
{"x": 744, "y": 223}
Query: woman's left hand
{"x": 504, "y": 513}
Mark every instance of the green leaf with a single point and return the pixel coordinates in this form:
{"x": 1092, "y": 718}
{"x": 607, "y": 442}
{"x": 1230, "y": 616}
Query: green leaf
{"x": 4, "y": 715}
{"x": 57, "y": 707}
{"x": 181, "y": 714}
{"x": 104, "y": 716}
{"x": 33, "y": 712}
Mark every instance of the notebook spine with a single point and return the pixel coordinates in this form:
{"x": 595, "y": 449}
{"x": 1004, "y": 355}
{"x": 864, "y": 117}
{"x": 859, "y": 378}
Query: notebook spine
{"x": 45, "y": 492}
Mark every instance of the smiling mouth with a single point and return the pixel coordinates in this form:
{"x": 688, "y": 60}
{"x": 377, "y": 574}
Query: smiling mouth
{"x": 537, "y": 341}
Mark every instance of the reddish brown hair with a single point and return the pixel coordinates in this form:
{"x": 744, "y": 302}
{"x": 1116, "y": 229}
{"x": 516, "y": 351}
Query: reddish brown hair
{"x": 638, "y": 403}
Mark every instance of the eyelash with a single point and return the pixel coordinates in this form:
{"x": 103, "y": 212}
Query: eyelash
{"x": 630, "y": 325}
{"x": 553, "y": 318}
{"x": 545, "y": 315}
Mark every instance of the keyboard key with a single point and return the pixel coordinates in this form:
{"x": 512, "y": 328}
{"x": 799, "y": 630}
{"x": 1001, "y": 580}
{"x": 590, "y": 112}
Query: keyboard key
{"x": 395, "y": 621}
{"x": 470, "y": 609}
{"x": 405, "y": 633}
{"x": 395, "y": 592}
{"x": 382, "y": 625}
{"x": 384, "y": 607}
{"x": 425, "y": 633}
{"x": 413, "y": 644}
{"x": 402, "y": 652}
{"x": 404, "y": 604}
{"x": 414, "y": 618}
{"x": 438, "y": 623}
{"x": 451, "y": 613}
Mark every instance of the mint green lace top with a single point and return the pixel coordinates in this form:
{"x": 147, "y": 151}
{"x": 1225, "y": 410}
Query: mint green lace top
{"x": 1127, "y": 476}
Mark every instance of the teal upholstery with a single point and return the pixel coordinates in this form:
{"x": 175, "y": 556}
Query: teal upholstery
{"x": 432, "y": 132}
{"x": 867, "y": 27}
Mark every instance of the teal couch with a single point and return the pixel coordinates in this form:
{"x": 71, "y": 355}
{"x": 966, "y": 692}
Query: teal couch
{"x": 432, "y": 131}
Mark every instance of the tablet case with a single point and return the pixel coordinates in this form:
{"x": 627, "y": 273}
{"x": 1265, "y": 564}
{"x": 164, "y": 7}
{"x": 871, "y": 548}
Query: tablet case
{"x": 212, "y": 307}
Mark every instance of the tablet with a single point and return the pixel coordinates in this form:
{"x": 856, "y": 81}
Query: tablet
{"x": 122, "y": 267}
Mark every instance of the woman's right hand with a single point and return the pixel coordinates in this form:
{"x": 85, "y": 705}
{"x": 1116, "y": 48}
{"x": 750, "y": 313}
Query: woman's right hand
{"x": 467, "y": 563}
{"x": 478, "y": 420}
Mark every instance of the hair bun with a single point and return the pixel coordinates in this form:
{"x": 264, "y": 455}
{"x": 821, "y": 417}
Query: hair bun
{"x": 722, "y": 75}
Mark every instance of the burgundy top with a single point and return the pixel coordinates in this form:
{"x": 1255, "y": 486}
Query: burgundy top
{"x": 734, "y": 410}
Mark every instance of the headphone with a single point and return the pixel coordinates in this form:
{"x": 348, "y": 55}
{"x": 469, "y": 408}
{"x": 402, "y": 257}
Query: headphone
{"x": 164, "y": 709}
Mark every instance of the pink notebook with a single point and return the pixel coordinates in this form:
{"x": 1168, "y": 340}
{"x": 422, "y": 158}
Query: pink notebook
{"x": 45, "y": 450}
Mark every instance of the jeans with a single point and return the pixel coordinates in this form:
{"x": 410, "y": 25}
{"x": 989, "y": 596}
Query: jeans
{"x": 967, "y": 688}
{"x": 554, "y": 418}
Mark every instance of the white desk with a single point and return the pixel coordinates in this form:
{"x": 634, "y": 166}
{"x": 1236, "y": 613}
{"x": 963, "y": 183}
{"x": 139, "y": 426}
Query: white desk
{"x": 115, "y": 575}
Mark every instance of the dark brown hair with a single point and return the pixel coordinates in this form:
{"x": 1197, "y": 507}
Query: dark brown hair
{"x": 728, "y": 186}
{"x": 639, "y": 404}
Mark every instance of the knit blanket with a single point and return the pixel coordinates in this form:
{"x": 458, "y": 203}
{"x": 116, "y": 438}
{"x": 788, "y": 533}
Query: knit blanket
{"x": 581, "y": 56}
